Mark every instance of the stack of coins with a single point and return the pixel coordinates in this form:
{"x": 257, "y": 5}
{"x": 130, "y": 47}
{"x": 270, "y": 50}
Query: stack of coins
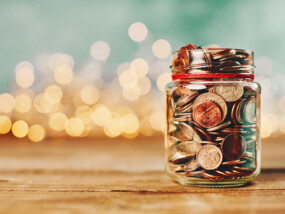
{"x": 210, "y": 60}
{"x": 211, "y": 131}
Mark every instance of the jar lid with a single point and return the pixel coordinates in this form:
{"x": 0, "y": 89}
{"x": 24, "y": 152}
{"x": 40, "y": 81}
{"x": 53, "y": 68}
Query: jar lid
{"x": 196, "y": 60}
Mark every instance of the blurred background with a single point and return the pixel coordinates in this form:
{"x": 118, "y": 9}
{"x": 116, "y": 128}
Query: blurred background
{"x": 98, "y": 68}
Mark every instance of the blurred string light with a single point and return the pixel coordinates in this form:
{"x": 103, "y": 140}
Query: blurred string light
{"x": 100, "y": 50}
{"x": 20, "y": 129}
{"x": 138, "y": 32}
{"x": 161, "y": 48}
{"x": 67, "y": 101}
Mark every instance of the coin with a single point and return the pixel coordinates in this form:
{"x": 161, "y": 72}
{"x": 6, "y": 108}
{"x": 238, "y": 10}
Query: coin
{"x": 220, "y": 54}
{"x": 209, "y": 157}
{"x": 219, "y": 126}
{"x": 186, "y": 98}
{"x": 184, "y": 132}
{"x": 207, "y": 114}
{"x": 230, "y": 93}
{"x": 233, "y": 146}
{"x": 177, "y": 168}
{"x": 170, "y": 108}
{"x": 214, "y": 98}
{"x": 249, "y": 110}
{"x": 187, "y": 147}
{"x": 233, "y": 162}
{"x": 191, "y": 46}
{"x": 186, "y": 108}
{"x": 226, "y": 66}
{"x": 238, "y": 110}
{"x": 178, "y": 158}
{"x": 191, "y": 165}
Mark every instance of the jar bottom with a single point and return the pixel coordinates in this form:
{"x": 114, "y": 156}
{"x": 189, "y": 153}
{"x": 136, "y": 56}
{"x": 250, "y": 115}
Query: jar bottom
{"x": 197, "y": 182}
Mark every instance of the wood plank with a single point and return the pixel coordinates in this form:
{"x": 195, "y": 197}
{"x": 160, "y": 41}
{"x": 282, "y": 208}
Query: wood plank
{"x": 123, "y": 176}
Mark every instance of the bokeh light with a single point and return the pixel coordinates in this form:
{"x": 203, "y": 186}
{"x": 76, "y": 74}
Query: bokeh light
{"x": 7, "y": 103}
{"x": 43, "y": 103}
{"x": 5, "y": 124}
{"x": 36, "y": 133}
{"x": 101, "y": 115}
{"x": 162, "y": 80}
{"x": 24, "y": 74}
{"x": 128, "y": 79}
{"x": 161, "y": 48}
{"x": 100, "y": 50}
{"x": 130, "y": 124}
{"x": 57, "y": 121}
{"x": 63, "y": 74}
{"x": 23, "y": 103}
{"x": 90, "y": 94}
{"x": 74, "y": 127}
{"x": 20, "y": 129}
{"x": 140, "y": 67}
{"x": 55, "y": 93}
{"x": 138, "y": 32}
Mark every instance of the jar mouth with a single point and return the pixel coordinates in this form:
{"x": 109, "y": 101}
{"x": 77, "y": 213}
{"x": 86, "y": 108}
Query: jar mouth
{"x": 212, "y": 60}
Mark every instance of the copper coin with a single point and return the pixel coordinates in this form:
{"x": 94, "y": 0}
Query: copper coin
{"x": 191, "y": 46}
{"x": 233, "y": 146}
{"x": 186, "y": 98}
{"x": 219, "y": 126}
{"x": 209, "y": 157}
{"x": 230, "y": 93}
{"x": 227, "y": 66}
{"x": 207, "y": 114}
{"x": 221, "y": 54}
{"x": 233, "y": 162}
{"x": 217, "y": 99}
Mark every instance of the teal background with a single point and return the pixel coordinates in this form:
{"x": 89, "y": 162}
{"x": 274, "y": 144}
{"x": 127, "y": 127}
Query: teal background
{"x": 71, "y": 26}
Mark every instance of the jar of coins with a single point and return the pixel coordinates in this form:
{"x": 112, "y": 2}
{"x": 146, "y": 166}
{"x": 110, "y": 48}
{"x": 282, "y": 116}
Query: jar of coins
{"x": 213, "y": 117}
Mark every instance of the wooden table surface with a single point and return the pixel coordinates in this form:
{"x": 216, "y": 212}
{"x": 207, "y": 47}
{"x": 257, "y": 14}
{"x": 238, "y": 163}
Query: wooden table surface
{"x": 123, "y": 176}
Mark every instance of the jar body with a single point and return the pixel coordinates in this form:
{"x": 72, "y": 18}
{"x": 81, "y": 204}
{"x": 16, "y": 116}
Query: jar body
{"x": 212, "y": 135}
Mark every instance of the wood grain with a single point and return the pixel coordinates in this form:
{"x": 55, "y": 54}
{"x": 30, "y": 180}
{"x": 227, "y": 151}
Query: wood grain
{"x": 123, "y": 176}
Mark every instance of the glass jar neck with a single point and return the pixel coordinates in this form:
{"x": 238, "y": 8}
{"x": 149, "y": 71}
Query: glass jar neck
{"x": 207, "y": 63}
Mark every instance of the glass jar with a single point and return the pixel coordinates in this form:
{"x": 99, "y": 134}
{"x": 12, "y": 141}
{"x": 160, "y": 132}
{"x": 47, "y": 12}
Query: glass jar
{"x": 213, "y": 118}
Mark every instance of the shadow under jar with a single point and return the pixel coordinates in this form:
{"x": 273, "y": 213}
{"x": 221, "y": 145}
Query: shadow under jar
{"x": 212, "y": 137}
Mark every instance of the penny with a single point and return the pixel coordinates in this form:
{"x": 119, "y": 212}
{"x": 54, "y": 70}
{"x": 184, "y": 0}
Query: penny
{"x": 207, "y": 114}
{"x": 186, "y": 99}
{"x": 249, "y": 110}
{"x": 187, "y": 147}
{"x": 220, "y": 54}
{"x": 186, "y": 108}
{"x": 227, "y": 66}
{"x": 181, "y": 92}
{"x": 177, "y": 168}
{"x": 230, "y": 93}
{"x": 219, "y": 126}
{"x": 217, "y": 99}
{"x": 233, "y": 146}
{"x": 209, "y": 157}
{"x": 208, "y": 142}
{"x": 184, "y": 132}
{"x": 234, "y": 162}
{"x": 191, "y": 46}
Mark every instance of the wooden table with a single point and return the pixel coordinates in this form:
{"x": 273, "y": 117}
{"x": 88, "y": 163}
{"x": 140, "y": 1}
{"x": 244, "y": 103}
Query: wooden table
{"x": 123, "y": 176}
